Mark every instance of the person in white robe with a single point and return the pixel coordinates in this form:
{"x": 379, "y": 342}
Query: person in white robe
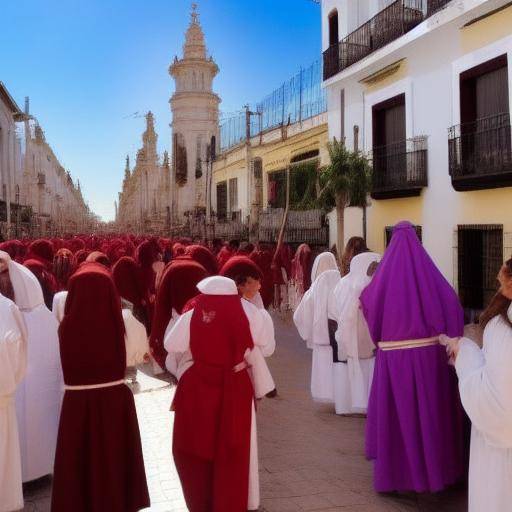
{"x": 136, "y": 339}
{"x": 311, "y": 321}
{"x": 485, "y": 385}
{"x": 39, "y": 395}
{"x": 179, "y": 360}
{"x": 13, "y": 362}
{"x": 353, "y": 372}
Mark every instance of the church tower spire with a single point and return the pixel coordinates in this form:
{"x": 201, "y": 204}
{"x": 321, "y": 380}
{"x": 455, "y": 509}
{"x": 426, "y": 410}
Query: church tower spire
{"x": 195, "y": 119}
{"x": 127, "y": 168}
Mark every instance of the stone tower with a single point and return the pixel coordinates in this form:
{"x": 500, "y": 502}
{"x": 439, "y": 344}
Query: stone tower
{"x": 195, "y": 120}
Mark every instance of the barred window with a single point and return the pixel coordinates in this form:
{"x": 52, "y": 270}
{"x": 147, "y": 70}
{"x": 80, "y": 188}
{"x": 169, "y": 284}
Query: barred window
{"x": 389, "y": 233}
{"x": 222, "y": 200}
{"x": 480, "y": 257}
{"x": 233, "y": 194}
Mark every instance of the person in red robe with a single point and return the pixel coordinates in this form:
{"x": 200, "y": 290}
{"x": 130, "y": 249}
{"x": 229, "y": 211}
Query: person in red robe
{"x": 204, "y": 257}
{"x": 177, "y": 287}
{"x": 43, "y": 251}
{"x": 46, "y": 279}
{"x": 63, "y": 267}
{"x": 98, "y": 464}
{"x": 227, "y": 252}
{"x": 99, "y": 257}
{"x": 125, "y": 273}
{"x": 262, "y": 256}
{"x": 213, "y": 406}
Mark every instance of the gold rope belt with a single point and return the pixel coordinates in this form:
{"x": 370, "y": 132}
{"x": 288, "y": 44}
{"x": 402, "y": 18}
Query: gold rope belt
{"x": 405, "y": 344}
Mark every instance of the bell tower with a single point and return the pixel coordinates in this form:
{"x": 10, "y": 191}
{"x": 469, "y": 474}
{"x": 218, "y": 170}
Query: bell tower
{"x": 195, "y": 120}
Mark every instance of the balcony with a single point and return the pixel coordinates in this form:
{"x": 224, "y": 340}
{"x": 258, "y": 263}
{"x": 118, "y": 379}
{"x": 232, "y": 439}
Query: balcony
{"x": 389, "y": 24}
{"x": 435, "y": 5}
{"x": 400, "y": 169}
{"x": 480, "y": 154}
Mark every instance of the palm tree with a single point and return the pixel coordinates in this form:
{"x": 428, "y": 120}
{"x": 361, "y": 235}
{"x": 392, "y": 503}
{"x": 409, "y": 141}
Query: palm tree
{"x": 346, "y": 181}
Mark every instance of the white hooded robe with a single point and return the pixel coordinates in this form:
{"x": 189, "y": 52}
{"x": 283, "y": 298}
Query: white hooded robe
{"x": 13, "y": 360}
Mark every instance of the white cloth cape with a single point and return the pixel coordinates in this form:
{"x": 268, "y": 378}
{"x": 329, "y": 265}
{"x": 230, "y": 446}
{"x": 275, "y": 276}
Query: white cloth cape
{"x": 485, "y": 384}
{"x": 353, "y": 380}
{"x": 324, "y": 261}
{"x": 13, "y": 361}
{"x": 135, "y": 338}
{"x": 177, "y": 344}
{"x": 39, "y": 396}
{"x": 310, "y": 318}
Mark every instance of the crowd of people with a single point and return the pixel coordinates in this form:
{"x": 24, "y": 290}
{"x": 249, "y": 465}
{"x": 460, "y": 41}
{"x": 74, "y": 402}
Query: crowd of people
{"x": 82, "y": 313}
{"x": 388, "y": 340}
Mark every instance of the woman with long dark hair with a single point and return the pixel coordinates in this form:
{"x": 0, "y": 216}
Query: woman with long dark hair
{"x": 485, "y": 384}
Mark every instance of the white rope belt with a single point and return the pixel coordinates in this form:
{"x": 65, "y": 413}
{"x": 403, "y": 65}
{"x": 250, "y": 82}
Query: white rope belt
{"x": 405, "y": 344}
{"x": 240, "y": 366}
{"x": 93, "y": 386}
{"x": 5, "y": 401}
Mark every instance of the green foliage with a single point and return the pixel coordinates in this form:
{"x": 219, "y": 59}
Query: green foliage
{"x": 303, "y": 183}
{"x": 349, "y": 174}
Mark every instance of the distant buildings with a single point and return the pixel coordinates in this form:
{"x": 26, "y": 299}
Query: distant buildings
{"x": 228, "y": 178}
{"x": 144, "y": 203}
{"x": 38, "y": 196}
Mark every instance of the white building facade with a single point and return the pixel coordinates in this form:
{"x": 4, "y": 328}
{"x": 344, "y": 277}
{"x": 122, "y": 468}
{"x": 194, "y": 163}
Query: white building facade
{"x": 38, "y": 196}
{"x": 425, "y": 87}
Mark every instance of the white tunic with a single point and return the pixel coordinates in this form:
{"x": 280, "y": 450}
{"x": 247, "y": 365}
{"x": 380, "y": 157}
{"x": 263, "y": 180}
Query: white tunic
{"x": 39, "y": 396}
{"x": 177, "y": 344}
{"x": 352, "y": 378}
{"x": 310, "y": 319}
{"x": 485, "y": 384}
{"x": 13, "y": 359}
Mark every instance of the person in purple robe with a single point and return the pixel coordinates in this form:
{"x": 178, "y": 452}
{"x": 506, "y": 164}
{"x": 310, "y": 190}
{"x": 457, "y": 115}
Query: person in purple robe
{"x": 414, "y": 430}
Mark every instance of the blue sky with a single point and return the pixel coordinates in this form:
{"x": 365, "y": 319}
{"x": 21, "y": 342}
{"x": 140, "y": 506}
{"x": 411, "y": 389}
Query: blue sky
{"x": 88, "y": 64}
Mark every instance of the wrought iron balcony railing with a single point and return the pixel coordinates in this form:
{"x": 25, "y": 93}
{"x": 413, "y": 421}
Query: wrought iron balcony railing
{"x": 435, "y": 5}
{"x": 480, "y": 153}
{"x": 389, "y": 24}
{"x": 400, "y": 169}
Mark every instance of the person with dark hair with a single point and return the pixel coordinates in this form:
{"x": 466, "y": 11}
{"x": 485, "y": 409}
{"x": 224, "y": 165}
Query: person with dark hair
{"x": 247, "y": 276}
{"x": 356, "y": 245}
{"x": 485, "y": 385}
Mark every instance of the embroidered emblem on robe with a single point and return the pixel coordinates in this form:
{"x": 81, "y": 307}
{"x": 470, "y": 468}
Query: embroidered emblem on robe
{"x": 208, "y": 316}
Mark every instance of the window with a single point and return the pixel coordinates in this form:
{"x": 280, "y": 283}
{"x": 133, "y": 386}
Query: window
{"x": 479, "y": 259}
{"x": 484, "y": 142}
{"x": 333, "y": 28}
{"x": 222, "y": 200}
{"x": 277, "y": 189}
{"x": 389, "y": 233}
{"x": 389, "y": 142}
{"x": 484, "y": 90}
{"x": 233, "y": 194}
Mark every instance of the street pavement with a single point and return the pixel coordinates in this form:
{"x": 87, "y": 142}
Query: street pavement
{"x": 310, "y": 459}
